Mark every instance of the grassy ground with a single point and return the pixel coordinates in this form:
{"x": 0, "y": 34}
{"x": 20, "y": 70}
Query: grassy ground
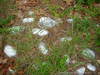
{"x": 84, "y": 32}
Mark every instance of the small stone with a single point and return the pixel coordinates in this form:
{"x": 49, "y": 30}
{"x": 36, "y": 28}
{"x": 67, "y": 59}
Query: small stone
{"x": 28, "y": 20}
{"x": 40, "y": 32}
{"x": 91, "y": 67}
{"x": 81, "y": 71}
{"x": 88, "y": 53}
{"x": 9, "y": 51}
{"x": 43, "y": 48}
{"x": 47, "y": 22}
{"x": 69, "y": 20}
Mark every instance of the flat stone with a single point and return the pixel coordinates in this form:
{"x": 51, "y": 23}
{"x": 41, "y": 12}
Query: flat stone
{"x": 91, "y": 67}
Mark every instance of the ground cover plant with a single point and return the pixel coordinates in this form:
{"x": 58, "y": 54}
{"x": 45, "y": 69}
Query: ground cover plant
{"x": 49, "y": 37}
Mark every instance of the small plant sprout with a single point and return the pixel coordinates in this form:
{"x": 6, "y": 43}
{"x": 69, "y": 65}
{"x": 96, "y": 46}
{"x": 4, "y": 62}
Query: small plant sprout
{"x": 16, "y": 29}
{"x": 67, "y": 59}
{"x": 9, "y": 51}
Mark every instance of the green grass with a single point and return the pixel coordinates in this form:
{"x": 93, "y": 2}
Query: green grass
{"x": 79, "y": 30}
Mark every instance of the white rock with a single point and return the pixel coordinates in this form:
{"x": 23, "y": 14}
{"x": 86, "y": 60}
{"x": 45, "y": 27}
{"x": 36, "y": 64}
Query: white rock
{"x": 9, "y": 51}
{"x": 66, "y": 39}
{"x": 43, "y": 48}
{"x": 88, "y": 53}
{"x": 30, "y": 13}
{"x": 28, "y": 20}
{"x": 47, "y": 22}
{"x": 91, "y": 67}
{"x": 80, "y": 71}
{"x": 40, "y": 32}
{"x": 69, "y": 20}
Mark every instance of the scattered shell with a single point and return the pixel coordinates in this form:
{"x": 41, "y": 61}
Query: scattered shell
{"x": 80, "y": 71}
{"x": 43, "y": 48}
{"x": 9, "y": 51}
{"x": 91, "y": 67}
{"x": 66, "y": 39}
{"x": 69, "y": 20}
{"x": 88, "y": 53}
{"x": 47, "y": 22}
{"x": 28, "y": 20}
{"x": 40, "y": 32}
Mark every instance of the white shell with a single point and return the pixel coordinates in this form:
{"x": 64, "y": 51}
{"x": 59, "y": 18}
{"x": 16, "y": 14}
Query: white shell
{"x": 47, "y": 22}
{"x": 91, "y": 67}
{"x": 9, "y": 51}
{"x": 80, "y": 71}
{"x": 28, "y": 20}
{"x": 43, "y": 48}
{"x": 40, "y": 32}
{"x": 43, "y": 32}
